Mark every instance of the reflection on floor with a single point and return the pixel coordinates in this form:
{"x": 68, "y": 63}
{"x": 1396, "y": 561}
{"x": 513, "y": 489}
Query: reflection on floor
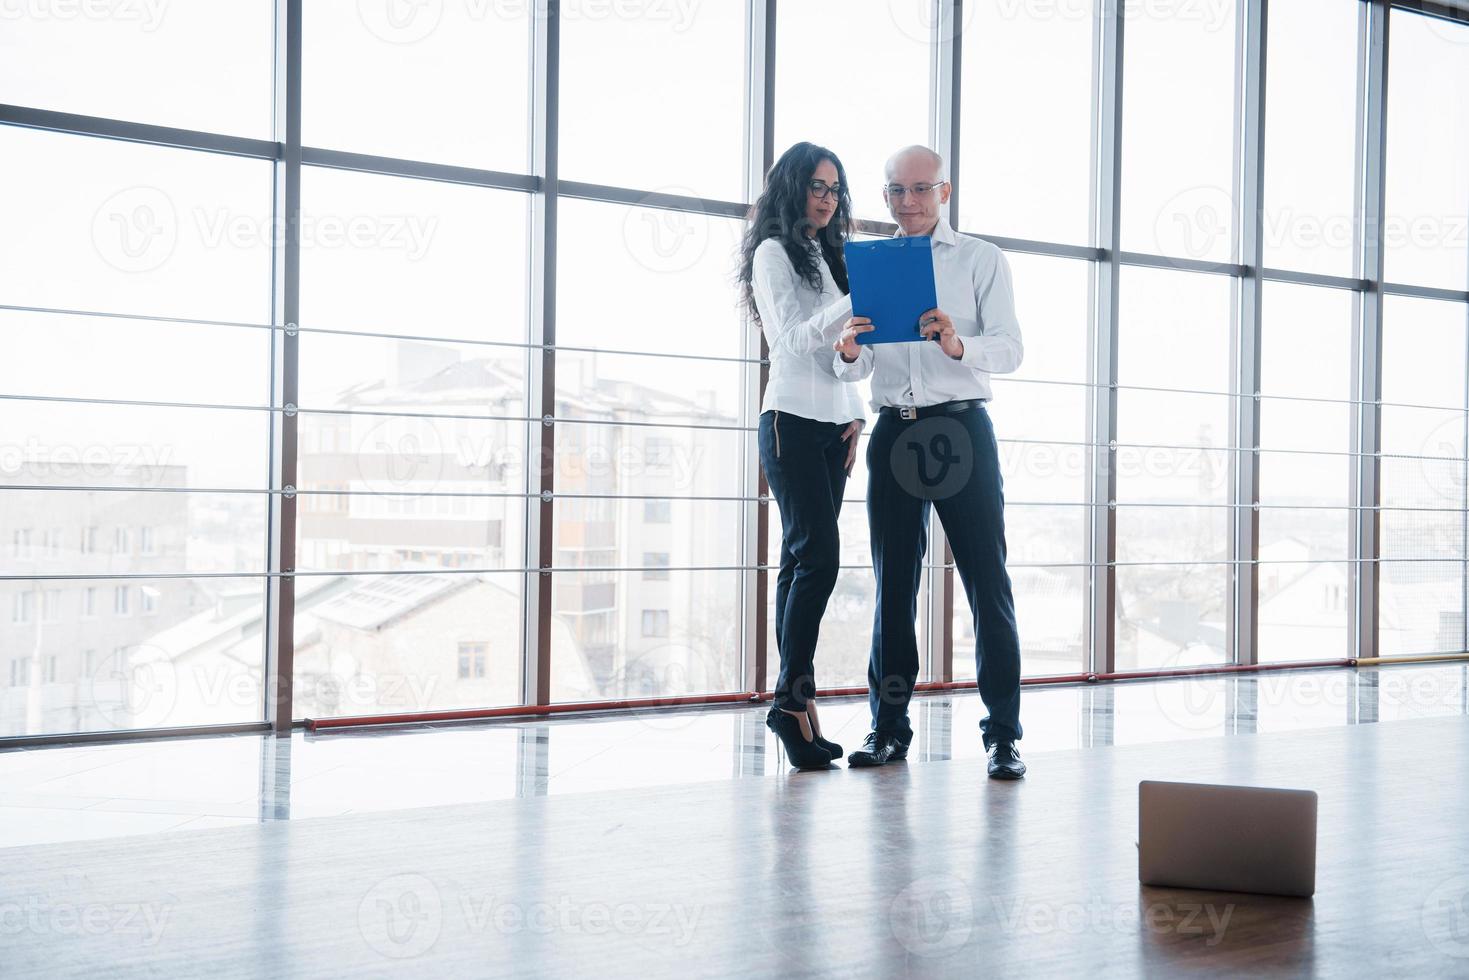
{"x": 96, "y": 791}
{"x": 922, "y": 870}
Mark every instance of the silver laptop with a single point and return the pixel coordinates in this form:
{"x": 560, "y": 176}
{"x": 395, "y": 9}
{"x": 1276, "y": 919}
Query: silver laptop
{"x": 1227, "y": 838}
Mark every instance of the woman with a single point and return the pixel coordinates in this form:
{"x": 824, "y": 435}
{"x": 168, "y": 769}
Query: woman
{"x": 794, "y": 280}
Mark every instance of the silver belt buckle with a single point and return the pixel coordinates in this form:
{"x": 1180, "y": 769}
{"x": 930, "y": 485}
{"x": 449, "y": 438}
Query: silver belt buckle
{"x": 908, "y": 413}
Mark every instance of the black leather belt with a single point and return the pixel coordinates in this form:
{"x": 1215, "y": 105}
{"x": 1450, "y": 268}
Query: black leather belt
{"x": 909, "y": 413}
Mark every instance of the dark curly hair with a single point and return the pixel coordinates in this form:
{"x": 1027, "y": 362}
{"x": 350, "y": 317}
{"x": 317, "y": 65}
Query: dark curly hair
{"x": 780, "y": 212}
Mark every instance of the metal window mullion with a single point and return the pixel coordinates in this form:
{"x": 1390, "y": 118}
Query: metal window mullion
{"x": 76, "y": 124}
{"x": 1366, "y": 427}
{"x": 944, "y": 130}
{"x": 541, "y": 363}
{"x": 1243, "y": 639}
{"x": 759, "y": 156}
{"x": 280, "y": 611}
{"x": 1102, "y": 410}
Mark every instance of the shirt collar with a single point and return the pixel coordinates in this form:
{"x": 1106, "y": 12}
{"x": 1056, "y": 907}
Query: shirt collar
{"x": 941, "y": 233}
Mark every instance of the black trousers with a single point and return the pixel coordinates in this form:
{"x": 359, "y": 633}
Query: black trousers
{"x": 805, "y": 462}
{"x": 949, "y": 462}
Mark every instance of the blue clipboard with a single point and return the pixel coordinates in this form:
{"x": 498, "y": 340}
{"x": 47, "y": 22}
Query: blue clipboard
{"x": 892, "y": 284}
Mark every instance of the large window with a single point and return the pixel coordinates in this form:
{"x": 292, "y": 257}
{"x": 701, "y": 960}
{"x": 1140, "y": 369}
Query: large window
{"x": 854, "y": 77}
{"x": 1173, "y": 467}
{"x": 440, "y": 82}
{"x": 1425, "y": 232}
{"x": 1304, "y": 577}
{"x": 484, "y": 408}
{"x": 1027, "y": 162}
{"x": 1178, "y": 125}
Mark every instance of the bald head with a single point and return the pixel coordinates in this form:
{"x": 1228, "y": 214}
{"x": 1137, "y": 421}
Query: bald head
{"x": 927, "y": 164}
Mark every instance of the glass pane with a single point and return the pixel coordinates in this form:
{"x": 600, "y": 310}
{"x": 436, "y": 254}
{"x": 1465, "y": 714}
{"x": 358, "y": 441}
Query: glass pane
{"x": 122, "y": 532}
{"x": 63, "y": 444}
{"x": 386, "y": 644}
{"x": 641, "y": 279}
{"x": 1173, "y": 332}
{"x": 192, "y": 65}
{"x": 863, "y": 114}
{"x": 127, "y": 228}
{"x": 618, "y": 635}
{"x": 845, "y": 643}
{"x": 1178, "y": 130}
{"x": 441, "y": 82}
{"x": 1164, "y": 534}
{"x": 645, "y": 460}
{"x": 1310, "y": 136}
{"x": 1040, "y": 55}
{"x": 140, "y": 360}
{"x": 1050, "y": 616}
{"x": 85, "y": 655}
{"x": 662, "y": 83}
{"x": 1423, "y": 529}
{"x": 1171, "y": 615}
{"x": 648, "y": 533}
{"x": 1052, "y": 303}
{"x": 1427, "y": 187}
{"x": 413, "y": 257}
{"x": 638, "y": 387}
{"x": 1303, "y": 582}
{"x": 384, "y": 490}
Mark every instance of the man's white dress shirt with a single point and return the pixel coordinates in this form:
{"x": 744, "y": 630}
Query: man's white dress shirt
{"x": 974, "y": 289}
{"x": 801, "y": 325}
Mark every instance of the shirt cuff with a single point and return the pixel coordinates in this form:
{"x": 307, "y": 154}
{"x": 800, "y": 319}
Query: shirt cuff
{"x": 845, "y": 369}
{"x": 971, "y": 355}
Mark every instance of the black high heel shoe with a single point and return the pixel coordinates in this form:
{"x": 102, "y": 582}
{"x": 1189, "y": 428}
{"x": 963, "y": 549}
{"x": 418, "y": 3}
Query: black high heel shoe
{"x": 833, "y": 748}
{"x": 803, "y": 754}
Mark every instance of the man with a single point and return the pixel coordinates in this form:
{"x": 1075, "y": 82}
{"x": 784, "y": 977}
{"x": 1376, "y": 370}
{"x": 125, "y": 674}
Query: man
{"x": 933, "y": 445}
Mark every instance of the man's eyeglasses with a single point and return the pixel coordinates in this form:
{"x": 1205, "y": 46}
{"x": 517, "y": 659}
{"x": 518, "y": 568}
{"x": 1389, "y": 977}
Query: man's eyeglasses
{"x": 918, "y": 190}
{"x": 820, "y": 189}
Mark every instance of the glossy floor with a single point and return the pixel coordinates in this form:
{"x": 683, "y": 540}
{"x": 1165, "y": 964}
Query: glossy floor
{"x": 110, "y": 790}
{"x": 910, "y": 870}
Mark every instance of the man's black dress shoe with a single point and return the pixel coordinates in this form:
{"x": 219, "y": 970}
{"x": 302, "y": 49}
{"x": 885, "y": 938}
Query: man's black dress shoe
{"x": 803, "y": 754}
{"x": 1005, "y": 761}
{"x": 878, "y": 749}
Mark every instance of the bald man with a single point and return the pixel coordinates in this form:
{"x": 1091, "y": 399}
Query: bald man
{"x": 933, "y": 446}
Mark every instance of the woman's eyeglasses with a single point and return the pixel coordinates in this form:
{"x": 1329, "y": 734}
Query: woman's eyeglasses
{"x": 821, "y": 190}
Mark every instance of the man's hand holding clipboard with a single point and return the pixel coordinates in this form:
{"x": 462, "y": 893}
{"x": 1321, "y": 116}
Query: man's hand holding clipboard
{"x": 894, "y": 297}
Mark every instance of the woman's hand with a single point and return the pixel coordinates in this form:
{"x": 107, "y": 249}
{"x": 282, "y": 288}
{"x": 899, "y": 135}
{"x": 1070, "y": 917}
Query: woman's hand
{"x": 936, "y": 325}
{"x": 847, "y": 345}
{"x": 850, "y": 438}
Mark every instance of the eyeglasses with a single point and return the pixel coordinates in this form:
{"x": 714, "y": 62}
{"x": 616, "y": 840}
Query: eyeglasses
{"x": 919, "y": 190}
{"x": 820, "y": 189}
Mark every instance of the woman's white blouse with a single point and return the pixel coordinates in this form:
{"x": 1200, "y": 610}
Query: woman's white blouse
{"x": 800, "y": 325}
